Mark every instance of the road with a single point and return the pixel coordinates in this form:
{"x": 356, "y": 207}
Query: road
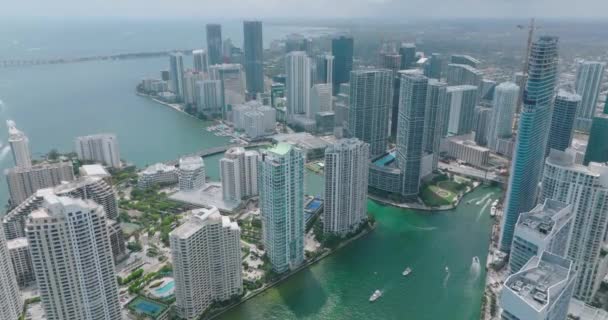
{"x": 472, "y": 172}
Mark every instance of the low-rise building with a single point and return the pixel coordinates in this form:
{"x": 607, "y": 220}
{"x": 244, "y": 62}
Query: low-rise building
{"x": 158, "y": 173}
{"x": 462, "y": 148}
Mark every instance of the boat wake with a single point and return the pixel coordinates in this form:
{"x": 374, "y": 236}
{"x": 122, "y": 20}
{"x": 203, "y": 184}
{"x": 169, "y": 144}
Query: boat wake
{"x": 483, "y": 209}
{"x": 446, "y": 278}
{"x": 483, "y": 199}
{"x": 424, "y": 228}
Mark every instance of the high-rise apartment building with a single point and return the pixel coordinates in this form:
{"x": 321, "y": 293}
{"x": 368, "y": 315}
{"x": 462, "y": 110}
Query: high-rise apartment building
{"x": 586, "y": 189}
{"x": 342, "y": 49}
{"x": 214, "y": 43}
{"x": 254, "y": 56}
{"x": 10, "y": 297}
{"x": 464, "y": 59}
{"x": 482, "y": 120}
{"x": 233, "y": 83}
{"x": 588, "y": 81}
{"x": 320, "y": 99}
{"x": 546, "y": 228}
{"x": 534, "y": 125}
{"x": 201, "y": 60}
{"x": 239, "y": 173}
{"x": 281, "y": 188}
{"x": 324, "y": 69}
{"x": 504, "y": 105}
{"x": 541, "y": 290}
{"x": 432, "y": 117}
{"x": 72, "y": 259}
{"x": 101, "y": 148}
{"x": 460, "y": 74}
{"x": 408, "y": 55}
{"x": 191, "y": 173}
{"x": 23, "y": 182}
{"x": 597, "y": 148}
{"x": 176, "y": 73}
{"x": 458, "y": 109}
{"x": 371, "y": 94}
{"x": 346, "y": 174}
{"x": 206, "y": 252}
{"x": 410, "y": 131}
{"x": 433, "y": 67}
{"x": 19, "y": 251}
{"x": 297, "y": 67}
{"x": 562, "y": 121}
{"x": 210, "y": 102}
{"x": 20, "y": 145}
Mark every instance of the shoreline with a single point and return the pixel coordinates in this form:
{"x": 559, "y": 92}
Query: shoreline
{"x": 422, "y": 207}
{"x": 172, "y": 106}
{"x": 292, "y": 273}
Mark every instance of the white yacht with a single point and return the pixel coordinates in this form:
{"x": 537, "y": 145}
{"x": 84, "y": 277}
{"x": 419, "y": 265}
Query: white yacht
{"x": 475, "y": 260}
{"x": 407, "y": 271}
{"x": 375, "y": 296}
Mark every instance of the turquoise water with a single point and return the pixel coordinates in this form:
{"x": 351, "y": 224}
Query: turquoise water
{"x": 147, "y": 307}
{"x": 166, "y": 289}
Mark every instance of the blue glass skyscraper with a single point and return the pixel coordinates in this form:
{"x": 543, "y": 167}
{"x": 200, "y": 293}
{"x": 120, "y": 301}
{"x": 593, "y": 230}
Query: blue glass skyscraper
{"x": 534, "y": 125}
{"x": 254, "y": 52}
{"x": 342, "y": 50}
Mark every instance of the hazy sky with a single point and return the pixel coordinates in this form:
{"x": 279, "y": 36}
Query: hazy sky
{"x": 305, "y": 8}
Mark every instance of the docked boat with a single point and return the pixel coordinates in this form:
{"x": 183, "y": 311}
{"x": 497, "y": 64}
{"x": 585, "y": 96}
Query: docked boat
{"x": 492, "y": 211}
{"x": 375, "y": 296}
{"x": 407, "y": 271}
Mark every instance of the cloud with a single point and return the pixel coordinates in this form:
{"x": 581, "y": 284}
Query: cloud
{"x": 305, "y": 8}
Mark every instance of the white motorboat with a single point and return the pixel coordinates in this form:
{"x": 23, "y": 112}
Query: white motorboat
{"x": 475, "y": 260}
{"x": 407, "y": 271}
{"x": 447, "y": 269}
{"x": 375, "y": 296}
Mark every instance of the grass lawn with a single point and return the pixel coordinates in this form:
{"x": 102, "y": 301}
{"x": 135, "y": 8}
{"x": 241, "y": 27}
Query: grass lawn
{"x": 452, "y": 186}
{"x": 434, "y": 196}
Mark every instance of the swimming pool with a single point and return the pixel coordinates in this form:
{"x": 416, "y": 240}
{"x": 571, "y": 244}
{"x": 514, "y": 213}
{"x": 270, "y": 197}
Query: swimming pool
{"x": 385, "y": 160}
{"x": 147, "y": 307}
{"x": 165, "y": 290}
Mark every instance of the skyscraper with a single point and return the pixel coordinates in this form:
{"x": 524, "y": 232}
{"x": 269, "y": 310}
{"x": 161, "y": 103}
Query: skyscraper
{"x": 458, "y": 109}
{"x": 410, "y": 131}
{"x": 10, "y": 298}
{"x": 546, "y": 228}
{"x": 23, "y": 182}
{"x": 201, "y": 60}
{"x": 281, "y": 187}
{"x": 597, "y": 148}
{"x": 408, "y": 55}
{"x": 297, "y": 67}
{"x": 20, "y": 145}
{"x": 176, "y": 73}
{"x": 72, "y": 260}
{"x": 214, "y": 43}
{"x": 588, "y": 81}
{"x": 541, "y": 290}
{"x": 562, "y": 122}
{"x": 534, "y": 125}
{"x": 102, "y": 148}
{"x": 324, "y": 68}
{"x": 482, "y": 119}
{"x": 320, "y": 99}
{"x": 464, "y": 59}
{"x": 432, "y": 117}
{"x": 342, "y": 50}
{"x": 210, "y": 100}
{"x": 233, "y": 83}
{"x": 370, "y": 107}
{"x": 586, "y": 189}
{"x": 433, "y": 67}
{"x": 460, "y": 74}
{"x": 206, "y": 252}
{"x": 503, "y": 111}
{"x": 254, "y": 56}
{"x": 346, "y": 173}
{"x": 239, "y": 174}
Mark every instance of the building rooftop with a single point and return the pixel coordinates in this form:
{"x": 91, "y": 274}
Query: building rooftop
{"x": 463, "y": 87}
{"x": 191, "y": 163}
{"x": 567, "y": 159}
{"x": 541, "y": 280}
{"x": 157, "y": 168}
{"x": 17, "y": 243}
{"x": 467, "y": 67}
{"x": 544, "y": 217}
{"x": 568, "y": 96}
{"x": 94, "y": 170}
{"x": 280, "y": 149}
{"x": 201, "y": 218}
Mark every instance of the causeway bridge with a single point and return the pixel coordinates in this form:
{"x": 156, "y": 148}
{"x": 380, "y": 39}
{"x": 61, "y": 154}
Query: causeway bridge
{"x": 220, "y": 149}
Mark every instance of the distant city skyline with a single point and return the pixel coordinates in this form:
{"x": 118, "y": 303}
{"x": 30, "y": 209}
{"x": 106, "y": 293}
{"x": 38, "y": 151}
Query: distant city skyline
{"x": 307, "y": 9}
